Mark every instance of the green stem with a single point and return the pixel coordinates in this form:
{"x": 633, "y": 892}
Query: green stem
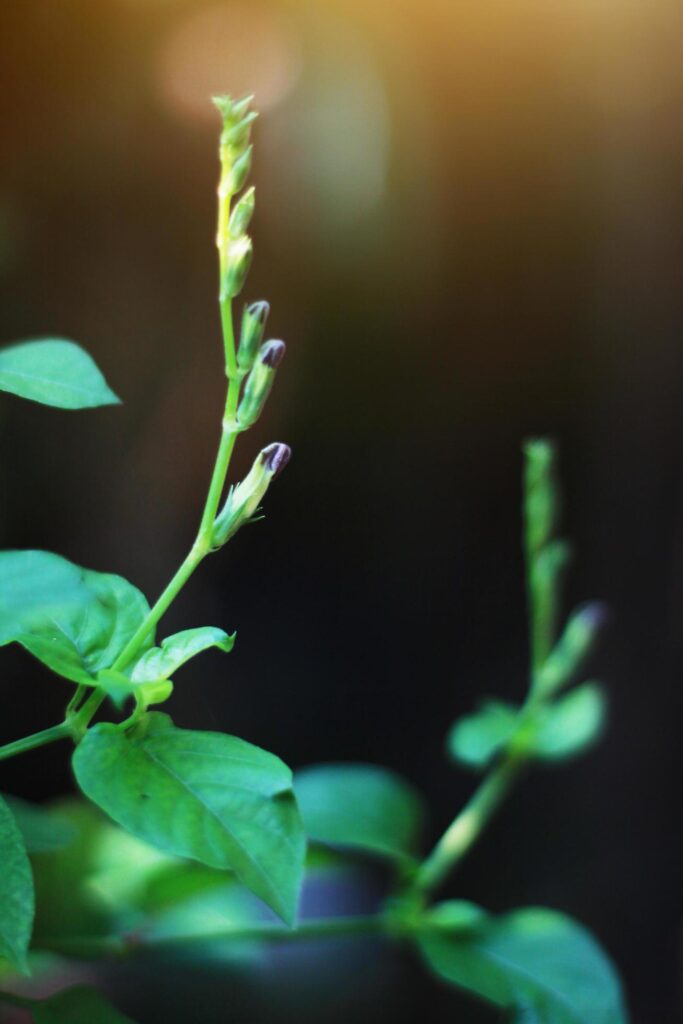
{"x": 202, "y": 543}
{"x": 467, "y": 827}
{"x": 330, "y": 928}
{"x": 38, "y": 739}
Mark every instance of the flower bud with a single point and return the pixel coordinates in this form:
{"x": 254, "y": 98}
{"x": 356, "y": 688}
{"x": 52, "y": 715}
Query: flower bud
{"x": 237, "y": 266}
{"x": 542, "y": 499}
{"x": 259, "y": 382}
{"x": 242, "y": 214}
{"x": 573, "y": 648}
{"x": 239, "y": 171}
{"x": 243, "y": 500}
{"x": 251, "y": 333}
{"x": 237, "y": 121}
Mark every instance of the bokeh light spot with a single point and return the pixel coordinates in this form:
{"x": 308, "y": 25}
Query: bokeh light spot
{"x": 236, "y": 48}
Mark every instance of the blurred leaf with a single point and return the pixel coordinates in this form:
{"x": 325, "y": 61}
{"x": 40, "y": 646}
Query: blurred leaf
{"x": 42, "y": 828}
{"x": 73, "y": 620}
{"x": 476, "y": 739}
{"x": 54, "y": 372}
{"x": 208, "y": 796}
{"x": 360, "y": 806}
{"x": 178, "y": 882}
{"x": 161, "y": 662}
{"x": 553, "y": 731}
{"x": 78, "y": 1005}
{"x": 571, "y": 724}
{"x": 66, "y": 904}
{"x": 16, "y": 893}
{"x": 532, "y": 958}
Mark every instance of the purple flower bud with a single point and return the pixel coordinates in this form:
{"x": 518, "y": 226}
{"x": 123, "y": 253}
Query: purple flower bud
{"x": 272, "y": 353}
{"x": 595, "y": 616}
{"x": 275, "y": 457}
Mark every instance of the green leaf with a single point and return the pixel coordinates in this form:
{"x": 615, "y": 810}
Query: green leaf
{"x": 74, "y": 620}
{"x": 476, "y": 739}
{"x": 360, "y": 806}
{"x": 42, "y": 829}
{"x": 78, "y": 1005}
{"x": 532, "y": 958}
{"x": 54, "y": 372}
{"x": 203, "y": 795}
{"x": 161, "y": 662}
{"x": 570, "y": 725}
{"x": 16, "y": 893}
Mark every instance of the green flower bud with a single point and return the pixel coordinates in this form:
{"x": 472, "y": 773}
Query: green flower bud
{"x": 251, "y": 333}
{"x": 542, "y": 498}
{"x": 237, "y": 136}
{"x": 259, "y": 382}
{"x": 573, "y": 648}
{"x": 239, "y": 171}
{"x": 243, "y": 500}
{"x": 242, "y": 213}
{"x": 237, "y": 122}
{"x": 237, "y": 266}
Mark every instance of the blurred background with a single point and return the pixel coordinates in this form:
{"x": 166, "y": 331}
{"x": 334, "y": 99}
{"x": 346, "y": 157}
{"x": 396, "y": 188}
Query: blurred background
{"x": 469, "y": 227}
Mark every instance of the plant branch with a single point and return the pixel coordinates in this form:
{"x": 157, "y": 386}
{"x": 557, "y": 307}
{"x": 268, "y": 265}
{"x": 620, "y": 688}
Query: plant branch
{"x": 38, "y": 739}
{"x": 468, "y": 825}
{"x": 97, "y": 947}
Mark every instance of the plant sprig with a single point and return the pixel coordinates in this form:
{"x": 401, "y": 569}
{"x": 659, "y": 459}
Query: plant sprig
{"x": 224, "y": 816}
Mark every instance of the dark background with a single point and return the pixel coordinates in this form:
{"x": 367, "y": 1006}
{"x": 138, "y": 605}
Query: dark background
{"x": 469, "y": 228}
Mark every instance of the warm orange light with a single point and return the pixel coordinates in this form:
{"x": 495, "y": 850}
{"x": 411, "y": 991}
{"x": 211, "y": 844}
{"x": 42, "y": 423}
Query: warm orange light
{"x": 236, "y": 48}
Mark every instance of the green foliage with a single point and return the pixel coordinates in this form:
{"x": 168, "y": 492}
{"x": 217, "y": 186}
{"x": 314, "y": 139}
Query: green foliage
{"x": 533, "y": 958}
{"x": 74, "y": 620}
{"x": 67, "y": 904}
{"x": 161, "y": 662}
{"x": 571, "y": 725}
{"x": 201, "y": 827}
{"x": 361, "y": 807}
{"x": 42, "y": 828}
{"x": 203, "y": 795}
{"x": 546, "y": 732}
{"x": 54, "y": 372}
{"x": 476, "y": 739}
{"x": 16, "y": 893}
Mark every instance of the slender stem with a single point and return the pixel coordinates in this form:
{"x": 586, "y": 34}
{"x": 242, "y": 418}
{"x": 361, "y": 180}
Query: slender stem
{"x": 202, "y": 543}
{"x": 38, "y": 739}
{"x": 326, "y": 928}
{"x": 467, "y": 827}
{"x": 97, "y": 947}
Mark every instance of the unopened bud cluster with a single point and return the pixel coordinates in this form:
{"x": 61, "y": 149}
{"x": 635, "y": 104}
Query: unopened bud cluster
{"x": 252, "y": 366}
{"x": 234, "y": 245}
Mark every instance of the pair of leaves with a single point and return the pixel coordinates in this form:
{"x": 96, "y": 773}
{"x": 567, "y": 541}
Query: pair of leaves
{"x": 202, "y": 795}
{"x": 360, "y": 806}
{"x": 77, "y": 621}
{"x": 74, "y": 620}
{"x": 554, "y": 731}
{"x": 54, "y": 372}
{"x": 536, "y": 961}
{"x": 149, "y": 675}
